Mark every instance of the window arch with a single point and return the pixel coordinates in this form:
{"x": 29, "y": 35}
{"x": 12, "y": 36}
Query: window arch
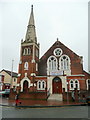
{"x": 74, "y": 83}
{"x": 27, "y": 51}
{"x": 64, "y": 62}
{"x": 71, "y": 84}
{"x": 41, "y": 85}
{"x": 77, "y": 84}
{"x": 52, "y": 63}
{"x": 26, "y": 66}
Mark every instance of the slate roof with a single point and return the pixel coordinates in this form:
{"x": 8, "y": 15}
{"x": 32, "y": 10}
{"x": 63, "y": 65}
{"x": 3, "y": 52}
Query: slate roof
{"x": 14, "y": 74}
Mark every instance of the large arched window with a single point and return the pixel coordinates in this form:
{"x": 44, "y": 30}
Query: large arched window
{"x": 64, "y": 62}
{"x": 52, "y": 63}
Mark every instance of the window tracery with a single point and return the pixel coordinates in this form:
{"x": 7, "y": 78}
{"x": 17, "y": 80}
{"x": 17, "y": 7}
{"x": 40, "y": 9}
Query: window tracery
{"x": 64, "y": 62}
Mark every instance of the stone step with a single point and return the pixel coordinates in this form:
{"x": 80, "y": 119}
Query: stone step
{"x": 57, "y": 97}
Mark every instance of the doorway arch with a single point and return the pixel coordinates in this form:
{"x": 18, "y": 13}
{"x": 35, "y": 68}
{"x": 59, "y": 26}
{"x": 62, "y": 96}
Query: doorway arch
{"x": 57, "y": 85}
{"x": 25, "y": 86}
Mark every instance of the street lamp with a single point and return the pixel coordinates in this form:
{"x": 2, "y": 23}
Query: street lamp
{"x": 11, "y": 73}
{"x": 67, "y": 92}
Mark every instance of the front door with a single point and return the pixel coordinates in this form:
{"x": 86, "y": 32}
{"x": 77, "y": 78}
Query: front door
{"x": 57, "y": 85}
{"x": 25, "y": 86}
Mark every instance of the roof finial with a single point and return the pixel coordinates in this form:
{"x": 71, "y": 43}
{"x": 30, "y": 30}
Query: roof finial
{"x": 57, "y": 39}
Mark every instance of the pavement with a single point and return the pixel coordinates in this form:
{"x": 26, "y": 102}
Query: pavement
{"x": 38, "y": 103}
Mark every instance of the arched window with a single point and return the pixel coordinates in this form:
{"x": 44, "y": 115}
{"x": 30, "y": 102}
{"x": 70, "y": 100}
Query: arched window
{"x": 52, "y": 63}
{"x": 26, "y": 66}
{"x": 64, "y": 62}
{"x": 77, "y": 84}
{"x": 41, "y": 85}
{"x": 27, "y": 51}
{"x": 71, "y": 85}
{"x": 74, "y": 83}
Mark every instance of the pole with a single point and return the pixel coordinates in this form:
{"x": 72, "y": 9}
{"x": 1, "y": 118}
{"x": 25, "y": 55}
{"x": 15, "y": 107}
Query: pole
{"x": 67, "y": 92}
{"x": 11, "y": 72}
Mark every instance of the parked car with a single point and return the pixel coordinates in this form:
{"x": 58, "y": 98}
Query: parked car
{"x": 5, "y": 93}
{"x": 2, "y": 93}
{"x": 88, "y": 100}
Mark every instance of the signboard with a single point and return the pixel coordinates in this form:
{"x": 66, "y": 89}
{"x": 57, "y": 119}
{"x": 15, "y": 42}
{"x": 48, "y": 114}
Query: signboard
{"x": 56, "y": 72}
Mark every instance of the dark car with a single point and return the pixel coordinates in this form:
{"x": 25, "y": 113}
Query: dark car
{"x": 5, "y": 93}
{"x": 88, "y": 100}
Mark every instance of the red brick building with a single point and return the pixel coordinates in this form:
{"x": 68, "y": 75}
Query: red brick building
{"x": 58, "y": 72}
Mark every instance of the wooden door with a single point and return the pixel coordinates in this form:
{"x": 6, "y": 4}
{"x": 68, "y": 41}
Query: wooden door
{"x": 25, "y": 86}
{"x": 57, "y": 85}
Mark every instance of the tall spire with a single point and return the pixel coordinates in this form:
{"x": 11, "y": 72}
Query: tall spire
{"x": 31, "y": 21}
{"x": 31, "y": 32}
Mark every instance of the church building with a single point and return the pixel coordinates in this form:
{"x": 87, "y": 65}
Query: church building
{"x": 57, "y": 72}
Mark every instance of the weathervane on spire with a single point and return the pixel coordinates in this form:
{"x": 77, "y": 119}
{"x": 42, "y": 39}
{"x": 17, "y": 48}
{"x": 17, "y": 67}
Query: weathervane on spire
{"x": 32, "y": 7}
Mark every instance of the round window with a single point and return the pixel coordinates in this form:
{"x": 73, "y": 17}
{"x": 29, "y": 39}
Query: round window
{"x": 57, "y": 52}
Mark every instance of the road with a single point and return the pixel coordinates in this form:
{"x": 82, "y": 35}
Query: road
{"x": 61, "y": 112}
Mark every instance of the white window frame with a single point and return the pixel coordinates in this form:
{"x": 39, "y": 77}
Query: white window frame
{"x": 26, "y": 66}
{"x": 52, "y": 64}
{"x": 74, "y": 84}
{"x": 71, "y": 83}
{"x": 14, "y": 79}
{"x": 56, "y": 50}
{"x": 27, "y": 51}
{"x": 87, "y": 83}
{"x": 41, "y": 85}
{"x": 44, "y": 85}
{"x": 77, "y": 84}
{"x": 63, "y": 63}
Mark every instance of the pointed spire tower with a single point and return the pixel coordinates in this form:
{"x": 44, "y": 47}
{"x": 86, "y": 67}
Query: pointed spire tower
{"x": 29, "y": 54}
{"x": 31, "y": 32}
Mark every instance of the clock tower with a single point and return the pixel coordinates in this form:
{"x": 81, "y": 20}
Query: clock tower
{"x": 29, "y": 57}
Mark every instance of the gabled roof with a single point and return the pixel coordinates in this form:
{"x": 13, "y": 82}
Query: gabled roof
{"x": 58, "y": 43}
{"x": 14, "y": 74}
{"x": 84, "y": 72}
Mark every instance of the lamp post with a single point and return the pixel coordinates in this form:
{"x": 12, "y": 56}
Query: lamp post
{"x": 11, "y": 73}
{"x": 67, "y": 92}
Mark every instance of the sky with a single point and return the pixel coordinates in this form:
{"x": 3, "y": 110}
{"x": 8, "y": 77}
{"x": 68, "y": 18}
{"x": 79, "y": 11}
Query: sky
{"x": 66, "y": 20}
